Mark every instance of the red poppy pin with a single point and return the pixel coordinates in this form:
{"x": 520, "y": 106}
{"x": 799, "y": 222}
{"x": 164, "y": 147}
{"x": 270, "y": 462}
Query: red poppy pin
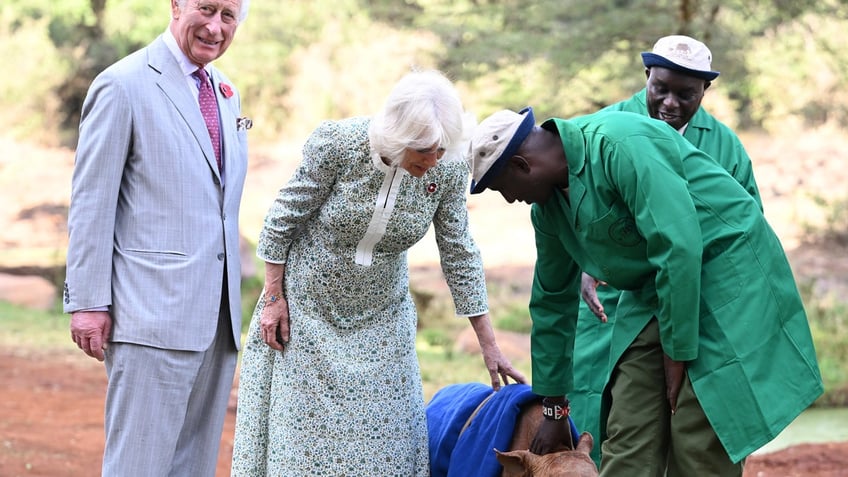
{"x": 226, "y": 90}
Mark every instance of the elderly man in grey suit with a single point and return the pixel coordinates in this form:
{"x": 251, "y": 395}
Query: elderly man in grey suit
{"x": 153, "y": 272}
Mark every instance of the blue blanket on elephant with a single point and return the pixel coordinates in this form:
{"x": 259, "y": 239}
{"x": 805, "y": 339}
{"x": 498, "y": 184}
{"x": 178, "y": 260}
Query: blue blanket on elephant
{"x": 471, "y": 453}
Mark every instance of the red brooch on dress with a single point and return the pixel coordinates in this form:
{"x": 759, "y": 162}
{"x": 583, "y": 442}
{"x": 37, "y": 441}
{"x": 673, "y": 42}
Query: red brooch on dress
{"x": 432, "y": 187}
{"x": 226, "y": 90}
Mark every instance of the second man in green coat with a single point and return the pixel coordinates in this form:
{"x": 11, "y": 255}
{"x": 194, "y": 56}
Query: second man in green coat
{"x": 678, "y": 71}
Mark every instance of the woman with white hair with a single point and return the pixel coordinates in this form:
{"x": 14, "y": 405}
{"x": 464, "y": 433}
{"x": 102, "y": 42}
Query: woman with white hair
{"x": 330, "y": 383}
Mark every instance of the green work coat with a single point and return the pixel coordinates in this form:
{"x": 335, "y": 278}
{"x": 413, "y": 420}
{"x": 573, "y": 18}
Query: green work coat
{"x": 652, "y": 215}
{"x": 592, "y": 369}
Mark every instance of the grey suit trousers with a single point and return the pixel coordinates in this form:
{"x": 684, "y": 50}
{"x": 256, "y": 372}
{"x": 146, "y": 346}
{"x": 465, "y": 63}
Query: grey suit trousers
{"x": 165, "y": 409}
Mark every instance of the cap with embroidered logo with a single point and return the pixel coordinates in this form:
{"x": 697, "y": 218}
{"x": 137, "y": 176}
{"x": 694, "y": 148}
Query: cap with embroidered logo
{"x": 681, "y": 53}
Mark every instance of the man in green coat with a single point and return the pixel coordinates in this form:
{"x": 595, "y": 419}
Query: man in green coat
{"x": 711, "y": 343}
{"x": 678, "y": 71}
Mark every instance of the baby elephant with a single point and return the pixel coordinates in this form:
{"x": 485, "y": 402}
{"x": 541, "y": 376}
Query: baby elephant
{"x": 467, "y": 424}
{"x": 565, "y": 463}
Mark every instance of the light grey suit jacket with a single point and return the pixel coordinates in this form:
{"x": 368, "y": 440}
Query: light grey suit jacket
{"x": 151, "y": 227}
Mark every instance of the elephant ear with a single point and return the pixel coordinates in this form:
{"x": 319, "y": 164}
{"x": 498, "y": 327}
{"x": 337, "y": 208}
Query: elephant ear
{"x": 585, "y": 443}
{"x": 514, "y": 462}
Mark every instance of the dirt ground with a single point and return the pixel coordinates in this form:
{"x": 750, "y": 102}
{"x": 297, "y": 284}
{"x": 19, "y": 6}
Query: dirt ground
{"x": 51, "y": 424}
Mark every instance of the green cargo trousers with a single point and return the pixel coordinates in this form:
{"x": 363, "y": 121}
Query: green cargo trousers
{"x": 643, "y": 438}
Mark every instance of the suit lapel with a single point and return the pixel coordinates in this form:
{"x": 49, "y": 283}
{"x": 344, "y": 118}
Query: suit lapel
{"x": 173, "y": 84}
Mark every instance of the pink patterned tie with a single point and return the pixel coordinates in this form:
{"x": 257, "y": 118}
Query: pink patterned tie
{"x": 209, "y": 110}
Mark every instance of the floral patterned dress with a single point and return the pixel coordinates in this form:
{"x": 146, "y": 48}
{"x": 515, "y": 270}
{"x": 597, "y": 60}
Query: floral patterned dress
{"x": 345, "y": 397}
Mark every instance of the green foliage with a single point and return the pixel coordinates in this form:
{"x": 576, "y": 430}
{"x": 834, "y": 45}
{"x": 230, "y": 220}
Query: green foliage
{"x": 829, "y": 325}
{"x": 133, "y": 23}
{"x": 268, "y": 50}
{"x": 320, "y": 59}
{"x": 251, "y": 286}
{"x": 84, "y": 43}
{"x": 21, "y": 12}
{"x": 28, "y": 102}
{"x": 795, "y": 72}
{"x": 832, "y": 228}
{"x": 251, "y": 289}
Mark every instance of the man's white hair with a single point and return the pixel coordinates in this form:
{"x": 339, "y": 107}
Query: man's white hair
{"x": 245, "y": 5}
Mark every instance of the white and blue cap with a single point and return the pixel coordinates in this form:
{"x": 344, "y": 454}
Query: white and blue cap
{"x": 495, "y": 140}
{"x": 683, "y": 54}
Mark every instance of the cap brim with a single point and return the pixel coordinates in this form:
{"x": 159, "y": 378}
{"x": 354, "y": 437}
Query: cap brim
{"x": 524, "y": 129}
{"x": 652, "y": 59}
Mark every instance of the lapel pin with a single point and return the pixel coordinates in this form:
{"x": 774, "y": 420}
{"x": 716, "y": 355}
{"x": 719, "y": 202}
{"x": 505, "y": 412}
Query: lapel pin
{"x": 226, "y": 90}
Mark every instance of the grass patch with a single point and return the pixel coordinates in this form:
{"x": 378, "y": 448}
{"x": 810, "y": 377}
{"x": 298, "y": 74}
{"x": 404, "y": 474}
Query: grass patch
{"x": 828, "y": 318}
{"x": 513, "y": 317}
{"x": 251, "y": 288}
{"x": 25, "y": 328}
{"x": 442, "y": 365}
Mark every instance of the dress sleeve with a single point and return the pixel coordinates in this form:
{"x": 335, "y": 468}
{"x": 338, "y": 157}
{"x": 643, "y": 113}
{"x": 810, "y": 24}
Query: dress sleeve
{"x": 648, "y": 173}
{"x": 554, "y": 300}
{"x": 460, "y": 258}
{"x": 304, "y": 194}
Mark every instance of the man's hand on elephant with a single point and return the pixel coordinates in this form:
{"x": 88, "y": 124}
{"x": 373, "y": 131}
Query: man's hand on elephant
{"x": 588, "y": 290}
{"x": 551, "y": 436}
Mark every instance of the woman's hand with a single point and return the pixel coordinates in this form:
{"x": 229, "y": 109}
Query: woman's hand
{"x": 499, "y": 367}
{"x": 274, "y": 321}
